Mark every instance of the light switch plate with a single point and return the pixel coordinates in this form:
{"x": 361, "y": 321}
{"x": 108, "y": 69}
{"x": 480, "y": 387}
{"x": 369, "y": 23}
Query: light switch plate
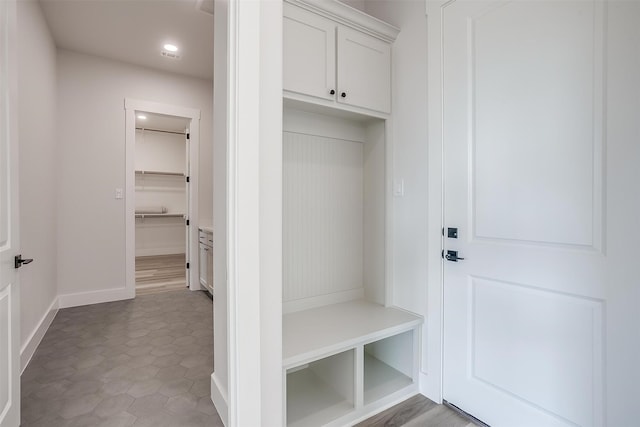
{"x": 398, "y": 188}
{"x": 119, "y": 193}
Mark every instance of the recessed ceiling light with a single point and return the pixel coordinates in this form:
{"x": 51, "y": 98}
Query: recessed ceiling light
{"x": 142, "y": 117}
{"x": 171, "y": 47}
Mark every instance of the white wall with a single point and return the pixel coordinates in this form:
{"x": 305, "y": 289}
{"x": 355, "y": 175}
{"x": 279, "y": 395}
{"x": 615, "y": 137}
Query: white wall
{"x": 91, "y": 161}
{"x": 164, "y": 152}
{"x": 37, "y": 165}
{"x": 160, "y": 151}
{"x": 220, "y": 376}
{"x": 410, "y": 152}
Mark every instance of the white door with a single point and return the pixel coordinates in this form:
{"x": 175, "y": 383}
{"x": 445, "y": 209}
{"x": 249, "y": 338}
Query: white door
{"x": 9, "y": 238}
{"x": 523, "y": 145}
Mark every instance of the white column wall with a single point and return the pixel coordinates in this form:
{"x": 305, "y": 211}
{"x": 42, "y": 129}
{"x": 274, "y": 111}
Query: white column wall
{"x": 38, "y": 173}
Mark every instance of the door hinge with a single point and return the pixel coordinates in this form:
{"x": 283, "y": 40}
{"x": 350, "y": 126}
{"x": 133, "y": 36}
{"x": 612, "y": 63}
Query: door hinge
{"x": 188, "y": 180}
{"x": 188, "y": 136}
{"x": 187, "y": 266}
{"x": 187, "y": 222}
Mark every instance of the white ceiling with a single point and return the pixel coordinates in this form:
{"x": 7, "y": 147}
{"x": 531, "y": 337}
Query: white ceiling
{"x": 134, "y": 31}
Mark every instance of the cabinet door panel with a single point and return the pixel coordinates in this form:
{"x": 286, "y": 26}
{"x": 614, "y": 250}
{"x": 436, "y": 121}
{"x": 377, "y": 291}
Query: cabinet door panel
{"x": 203, "y": 265}
{"x": 309, "y": 53}
{"x": 210, "y": 270}
{"x": 364, "y": 71}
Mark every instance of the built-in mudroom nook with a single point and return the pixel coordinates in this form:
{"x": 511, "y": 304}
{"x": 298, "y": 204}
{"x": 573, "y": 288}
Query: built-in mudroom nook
{"x": 347, "y": 352}
{"x": 161, "y": 202}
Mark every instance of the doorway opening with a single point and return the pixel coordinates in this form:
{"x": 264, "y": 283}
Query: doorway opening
{"x": 161, "y": 202}
{"x": 161, "y": 199}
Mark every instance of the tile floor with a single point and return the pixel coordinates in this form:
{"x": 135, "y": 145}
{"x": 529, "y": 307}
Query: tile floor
{"x": 142, "y": 362}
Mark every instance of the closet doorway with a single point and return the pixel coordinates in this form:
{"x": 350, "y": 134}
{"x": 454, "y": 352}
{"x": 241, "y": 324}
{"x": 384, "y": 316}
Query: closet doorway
{"x": 161, "y": 199}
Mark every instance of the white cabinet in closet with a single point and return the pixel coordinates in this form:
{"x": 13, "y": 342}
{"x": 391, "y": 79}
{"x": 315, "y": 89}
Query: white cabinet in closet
{"x": 344, "y": 63}
{"x": 206, "y": 259}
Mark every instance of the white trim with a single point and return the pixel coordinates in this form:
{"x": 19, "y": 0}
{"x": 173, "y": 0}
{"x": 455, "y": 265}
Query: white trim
{"x": 219, "y": 399}
{"x": 30, "y": 346}
{"x": 131, "y": 106}
{"x": 322, "y": 300}
{"x": 367, "y": 411}
{"x": 94, "y": 297}
{"x": 329, "y": 126}
{"x": 427, "y": 388}
{"x": 254, "y": 212}
{"x": 351, "y": 17}
{"x": 432, "y": 346}
{"x": 325, "y": 106}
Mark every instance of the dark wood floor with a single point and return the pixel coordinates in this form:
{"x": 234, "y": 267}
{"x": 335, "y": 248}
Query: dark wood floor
{"x": 417, "y": 412}
{"x": 160, "y": 273}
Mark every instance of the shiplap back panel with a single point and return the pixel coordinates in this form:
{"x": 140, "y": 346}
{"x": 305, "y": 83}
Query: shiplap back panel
{"x": 322, "y": 216}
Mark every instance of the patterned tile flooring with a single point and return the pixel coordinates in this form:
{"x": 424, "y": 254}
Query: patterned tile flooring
{"x": 141, "y": 362}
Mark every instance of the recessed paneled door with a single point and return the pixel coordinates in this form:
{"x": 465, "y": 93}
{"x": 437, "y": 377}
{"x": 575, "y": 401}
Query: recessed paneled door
{"x": 9, "y": 239}
{"x": 523, "y": 145}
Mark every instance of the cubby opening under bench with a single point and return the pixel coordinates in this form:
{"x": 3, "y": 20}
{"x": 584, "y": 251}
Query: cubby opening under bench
{"x": 343, "y": 362}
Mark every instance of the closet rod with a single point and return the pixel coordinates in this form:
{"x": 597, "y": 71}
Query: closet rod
{"x": 139, "y": 172}
{"x": 164, "y": 215}
{"x": 163, "y": 131}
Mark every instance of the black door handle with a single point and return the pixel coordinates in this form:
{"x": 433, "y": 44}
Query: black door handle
{"x": 18, "y": 261}
{"x": 451, "y": 256}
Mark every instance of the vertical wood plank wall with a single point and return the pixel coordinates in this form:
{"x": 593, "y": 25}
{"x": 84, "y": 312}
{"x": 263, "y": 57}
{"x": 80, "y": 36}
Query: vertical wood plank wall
{"x": 323, "y": 194}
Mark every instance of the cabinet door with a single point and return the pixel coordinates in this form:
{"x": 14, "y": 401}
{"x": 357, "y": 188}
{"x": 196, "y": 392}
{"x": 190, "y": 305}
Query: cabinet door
{"x": 210, "y": 270}
{"x": 309, "y": 53}
{"x": 203, "y": 265}
{"x": 364, "y": 71}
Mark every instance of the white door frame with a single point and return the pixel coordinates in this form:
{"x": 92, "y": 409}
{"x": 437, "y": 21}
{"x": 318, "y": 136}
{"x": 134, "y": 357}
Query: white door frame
{"x": 131, "y": 106}
{"x": 10, "y": 241}
{"x": 432, "y": 347}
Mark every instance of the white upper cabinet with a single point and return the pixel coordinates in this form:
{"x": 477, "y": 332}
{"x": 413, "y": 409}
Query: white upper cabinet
{"x": 364, "y": 71}
{"x": 309, "y": 53}
{"x": 337, "y": 56}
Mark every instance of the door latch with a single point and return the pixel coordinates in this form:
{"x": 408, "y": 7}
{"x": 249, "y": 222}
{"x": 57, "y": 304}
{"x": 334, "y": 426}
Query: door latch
{"x": 451, "y": 256}
{"x": 18, "y": 261}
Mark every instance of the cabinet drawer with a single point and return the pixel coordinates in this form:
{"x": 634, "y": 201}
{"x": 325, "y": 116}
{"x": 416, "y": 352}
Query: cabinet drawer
{"x": 205, "y": 237}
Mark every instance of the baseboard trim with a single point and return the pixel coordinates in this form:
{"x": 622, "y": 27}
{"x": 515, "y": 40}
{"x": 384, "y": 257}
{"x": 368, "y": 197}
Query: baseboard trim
{"x": 219, "y": 399}
{"x": 30, "y": 346}
{"x": 429, "y": 388}
{"x": 95, "y": 297}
